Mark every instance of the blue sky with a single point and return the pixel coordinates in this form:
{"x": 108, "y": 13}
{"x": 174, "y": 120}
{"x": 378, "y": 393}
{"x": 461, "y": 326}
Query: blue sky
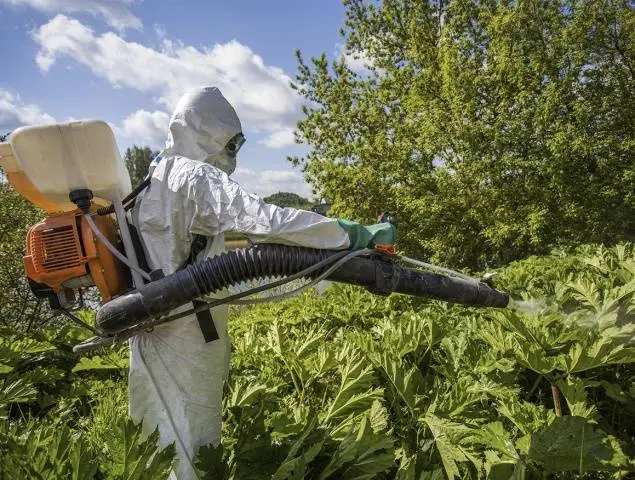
{"x": 128, "y": 61}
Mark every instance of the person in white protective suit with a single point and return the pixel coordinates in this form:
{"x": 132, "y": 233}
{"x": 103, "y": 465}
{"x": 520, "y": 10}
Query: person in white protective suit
{"x": 176, "y": 375}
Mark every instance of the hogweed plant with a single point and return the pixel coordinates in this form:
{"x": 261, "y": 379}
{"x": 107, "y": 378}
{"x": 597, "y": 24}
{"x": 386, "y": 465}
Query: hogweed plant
{"x": 349, "y": 385}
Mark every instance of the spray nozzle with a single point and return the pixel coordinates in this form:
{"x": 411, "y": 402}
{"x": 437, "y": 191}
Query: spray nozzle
{"x": 488, "y": 278}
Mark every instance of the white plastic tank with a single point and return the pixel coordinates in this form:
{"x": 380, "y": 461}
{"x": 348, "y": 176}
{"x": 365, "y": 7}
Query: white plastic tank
{"x": 46, "y": 162}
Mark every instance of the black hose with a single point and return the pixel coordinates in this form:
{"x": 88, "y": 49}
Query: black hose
{"x": 320, "y": 266}
{"x": 268, "y": 260}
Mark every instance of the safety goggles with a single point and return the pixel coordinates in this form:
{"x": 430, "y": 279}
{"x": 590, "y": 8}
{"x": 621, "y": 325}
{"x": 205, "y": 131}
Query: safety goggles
{"x": 235, "y": 143}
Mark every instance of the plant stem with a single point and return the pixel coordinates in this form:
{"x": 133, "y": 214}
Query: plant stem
{"x": 534, "y": 386}
{"x": 556, "y": 400}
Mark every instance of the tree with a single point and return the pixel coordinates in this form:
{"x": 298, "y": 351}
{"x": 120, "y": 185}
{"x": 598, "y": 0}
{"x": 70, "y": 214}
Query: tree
{"x": 19, "y": 309}
{"x": 288, "y": 199}
{"x": 492, "y": 129}
{"x": 137, "y": 161}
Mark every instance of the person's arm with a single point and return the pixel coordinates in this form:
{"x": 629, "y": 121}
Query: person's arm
{"x": 222, "y": 205}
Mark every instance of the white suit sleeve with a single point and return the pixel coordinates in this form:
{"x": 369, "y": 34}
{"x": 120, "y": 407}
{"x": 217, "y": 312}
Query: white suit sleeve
{"x": 222, "y": 205}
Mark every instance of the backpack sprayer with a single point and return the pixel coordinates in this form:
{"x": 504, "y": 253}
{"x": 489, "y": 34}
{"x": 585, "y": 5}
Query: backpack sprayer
{"x": 73, "y": 171}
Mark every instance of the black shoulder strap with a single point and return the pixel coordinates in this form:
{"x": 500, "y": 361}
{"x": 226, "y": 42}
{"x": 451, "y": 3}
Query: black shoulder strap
{"x": 138, "y": 247}
{"x": 206, "y": 322}
{"x": 198, "y": 245}
{"x": 204, "y": 317}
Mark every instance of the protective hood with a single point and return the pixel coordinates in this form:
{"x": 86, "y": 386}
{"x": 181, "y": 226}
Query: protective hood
{"x": 201, "y": 126}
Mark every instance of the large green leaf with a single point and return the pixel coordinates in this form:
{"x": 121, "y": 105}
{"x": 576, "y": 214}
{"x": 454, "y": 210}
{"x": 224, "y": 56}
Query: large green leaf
{"x": 210, "y": 463}
{"x": 16, "y": 391}
{"x": 355, "y": 394}
{"x": 101, "y": 363}
{"x": 84, "y": 465}
{"x": 494, "y": 436}
{"x": 453, "y": 443}
{"x": 573, "y": 391}
{"x": 142, "y": 458}
{"x": 361, "y": 455}
{"x": 406, "y": 382}
{"x": 526, "y": 417}
{"x": 615, "y": 345}
{"x": 572, "y": 444}
{"x": 301, "y": 454}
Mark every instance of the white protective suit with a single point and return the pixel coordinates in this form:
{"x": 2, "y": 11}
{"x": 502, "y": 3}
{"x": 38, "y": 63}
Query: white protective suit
{"x": 176, "y": 379}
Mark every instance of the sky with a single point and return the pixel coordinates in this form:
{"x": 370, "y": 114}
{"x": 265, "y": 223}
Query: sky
{"x": 128, "y": 61}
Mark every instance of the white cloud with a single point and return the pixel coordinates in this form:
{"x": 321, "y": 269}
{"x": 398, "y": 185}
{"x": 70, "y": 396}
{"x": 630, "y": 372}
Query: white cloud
{"x": 15, "y": 113}
{"x": 115, "y": 12}
{"x": 359, "y": 62}
{"x": 145, "y": 128}
{"x": 268, "y": 182}
{"x": 259, "y": 92}
{"x": 160, "y": 30}
{"x": 279, "y": 139}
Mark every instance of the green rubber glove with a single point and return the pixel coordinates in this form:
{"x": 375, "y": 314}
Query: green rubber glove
{"x": 367, "y": 236}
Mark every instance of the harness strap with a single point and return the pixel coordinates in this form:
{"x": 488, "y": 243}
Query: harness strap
{"x": 206, "y": 322}
{"x": 204, "y": 317}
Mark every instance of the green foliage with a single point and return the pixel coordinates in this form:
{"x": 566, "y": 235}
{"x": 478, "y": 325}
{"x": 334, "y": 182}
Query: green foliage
{"x": 18, "y": 308}
{"x": 571, "y": 443}
{"x": 287, "y": 199}
{"x": 141, "y": 460}
{"x": 66, "y": 417}
{"x": 137, "y": 160}
{"x": 492, "y": 130}
{"x": 350, "y": 385}
{"x": 51, "y": 449}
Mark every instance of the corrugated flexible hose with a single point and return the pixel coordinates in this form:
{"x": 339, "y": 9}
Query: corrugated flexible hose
{"x": 262, "y": 261}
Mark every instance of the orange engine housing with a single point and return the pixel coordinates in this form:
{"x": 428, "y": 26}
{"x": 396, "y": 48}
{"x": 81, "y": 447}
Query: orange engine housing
{"x": 63, "y": 253}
